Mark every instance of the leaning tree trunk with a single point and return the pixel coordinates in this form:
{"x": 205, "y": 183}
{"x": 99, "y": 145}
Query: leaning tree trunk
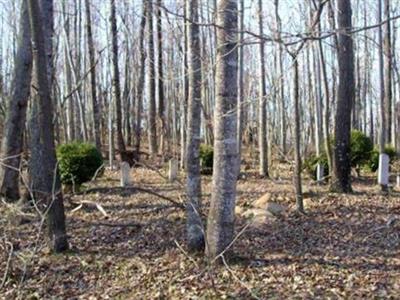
{"x": 116, "y": 82}
{"x": 12, "y": 143}
{"x": 221, "y": 216}
{"x": 95, "y": 105}
{"x": 341, "y": 179}
{"x": 195, "y": 237}
{"x": 46, "y": 184}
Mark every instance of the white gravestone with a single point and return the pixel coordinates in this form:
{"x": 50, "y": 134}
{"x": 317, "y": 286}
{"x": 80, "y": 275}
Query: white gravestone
{"x": 383, "y": 170}
{"x": 125, "y": 174}
{"x": 173, "y": 170}
{"x": 320, "y": 172}
{"x": 398, "y": 181}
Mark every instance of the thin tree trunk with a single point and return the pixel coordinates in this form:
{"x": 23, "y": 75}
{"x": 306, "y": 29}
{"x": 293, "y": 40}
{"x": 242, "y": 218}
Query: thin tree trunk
{"x": 262, "y": 114}
{"x": 195, "y": 237}
{"x": 151, "y": 86}
{"x": 161, "y": 100}
{"x": 116, "y": 82}
{"x": 241, "y": 103}
{"x": 95, "y": 105}
{"x": 140, "y": 83}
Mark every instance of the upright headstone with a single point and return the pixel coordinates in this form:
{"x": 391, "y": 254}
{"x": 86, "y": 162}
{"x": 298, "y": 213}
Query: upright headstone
{"x": 173, "y": 169}
{"x": 398, "y": 181}
{"x": 125, "y": 174}
{"x": 383, "y": 170}
{"x": 320, "y": 172}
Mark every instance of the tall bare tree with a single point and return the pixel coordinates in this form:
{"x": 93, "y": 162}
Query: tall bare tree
{"x": 221, "y": 216}
{"x": 140, "y": 82}
{"x": 12, "y": 142}
{"x": 46, "y": 184}
{"x": 93, "y": 86}
{"x": 341, "y": 179}
{"x": 116, "y": 80}
{"x": 195, "y": 236}
{"x": 262, "y": 112}
{"x": 151, "y": 83}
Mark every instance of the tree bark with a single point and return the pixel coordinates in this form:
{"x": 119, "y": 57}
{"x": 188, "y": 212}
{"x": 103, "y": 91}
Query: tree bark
{"x": 151, "y": 86}
{"x": 341, "y": 179}
{"x": 387, "y": 64}
{"x": 45, "y": 178}
{"x": 95, "y": 105}
{"x": 12, "y": 142}
{"x": 116, "y": 81}
{"x": 262, "y": 113}
{"x": 221, "y": 216}
{"x": 195, "y": 237}
{"x": 140, "y": 83}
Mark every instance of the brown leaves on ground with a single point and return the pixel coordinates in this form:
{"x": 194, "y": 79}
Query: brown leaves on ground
{"x": 347, "y": 246}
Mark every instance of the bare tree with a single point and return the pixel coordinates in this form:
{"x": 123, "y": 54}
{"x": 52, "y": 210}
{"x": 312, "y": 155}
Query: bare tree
{"x": 195, "y": 236}
{"x": 93, "y": 86}
{"x": 151, "y": 86}
{"x": 262, "y": 113}
{"x": 221, "y": 216}
{"x": 140, "y": 82}
{"x": 116, "y": 81}
{"x": 341, "y": 179}
{"x": 46, "y": 184}
{"x": 12, "y": 142}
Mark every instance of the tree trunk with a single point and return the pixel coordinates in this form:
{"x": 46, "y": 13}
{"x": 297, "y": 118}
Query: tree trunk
{"x": 12, "y": 143}
{"x": 116, "y": 81}
{"x": 161, "y": 100}
{"x": 151, "y": 86}
{"x": 241, "y": 104}
{"x": 221, "y": 216}
{"x": 195, "y": 236}
{"x": 262, "y": 113}
{"x": 140, "y": 83}
{"x": 45, "y": 178}
{"x": 341, "y": 179}
{"x": 95, "y": 105}
{"x": 297, "y": 152}
{"x": 387, "y": 64}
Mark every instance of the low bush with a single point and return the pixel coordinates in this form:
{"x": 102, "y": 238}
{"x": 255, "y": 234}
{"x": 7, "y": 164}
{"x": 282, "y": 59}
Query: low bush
{"x": 206, "y": 159}
{"x": 373, "y": 162}
{"x": 78, "y": 162}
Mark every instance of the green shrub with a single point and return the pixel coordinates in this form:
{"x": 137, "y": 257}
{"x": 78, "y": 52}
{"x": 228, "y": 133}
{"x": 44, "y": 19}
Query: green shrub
{"x": 310, "y": 164}
{"x": 361, "y": 148}
{"x": 78, "y": 162}
{"x": 206, "y": 159}
{"x": 373, "y": 162}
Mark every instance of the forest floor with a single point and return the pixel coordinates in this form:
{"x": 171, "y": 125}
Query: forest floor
{"x": 130, "y": 244}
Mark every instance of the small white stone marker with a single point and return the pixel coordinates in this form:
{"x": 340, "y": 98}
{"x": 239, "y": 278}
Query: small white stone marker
{"x": 125, "y": 174}
{"x": 173, "y": 170}
{"x": 320, "y": 172}
{"x": 383, "y": 170}
{"x": 398, "y": 181}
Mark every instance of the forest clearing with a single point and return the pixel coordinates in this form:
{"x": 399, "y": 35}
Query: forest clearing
{"x": 347, "y": 246}
{"x": 190, "y": 149}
